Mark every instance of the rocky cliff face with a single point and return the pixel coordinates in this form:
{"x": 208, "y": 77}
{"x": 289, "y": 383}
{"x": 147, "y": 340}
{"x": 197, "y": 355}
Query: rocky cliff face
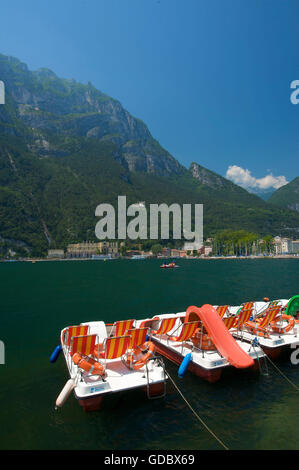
{"x": 45, "y": 105}
{"x": 206, "y": 177}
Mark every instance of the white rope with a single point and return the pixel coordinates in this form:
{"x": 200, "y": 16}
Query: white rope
{"x": 195, "y": 414}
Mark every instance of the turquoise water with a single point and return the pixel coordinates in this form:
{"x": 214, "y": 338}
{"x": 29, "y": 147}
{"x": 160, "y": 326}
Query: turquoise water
{"x": 246, "y": 410}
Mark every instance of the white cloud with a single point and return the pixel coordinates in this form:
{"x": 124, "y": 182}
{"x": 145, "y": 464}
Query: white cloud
{"x": 245, "y": 179}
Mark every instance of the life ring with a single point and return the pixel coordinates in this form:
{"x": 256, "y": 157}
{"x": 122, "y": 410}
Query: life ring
{"x": 279, "y": 329}
{"x": 254, "y": 328}
{"x": 88, "y": 364}
{"x": 98, "y": 351}
{"x": 138, "y": 358}
{"x": 203, "y": 341}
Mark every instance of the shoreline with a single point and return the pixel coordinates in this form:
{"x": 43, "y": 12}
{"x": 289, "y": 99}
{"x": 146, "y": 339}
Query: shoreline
{"x": 35, "y": 260}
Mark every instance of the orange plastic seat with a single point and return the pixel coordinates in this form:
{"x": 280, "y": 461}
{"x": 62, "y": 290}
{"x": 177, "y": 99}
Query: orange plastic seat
{"x": 83, "y": 344}
{"x": 116, "y": 346}
{"x": 187, "y": 331}
{"x": 166, "y": 325}
{"x": 243, "y": 318}
{"x": 72, "y": 331}
{"x": 262, "y": 325}
{"x": 120, "y": 327}
{"x": 138, "y": 336}
{"x": 229, "y": 322}
{"x": 222, "y": 309}
{"x": 247, "y": 306}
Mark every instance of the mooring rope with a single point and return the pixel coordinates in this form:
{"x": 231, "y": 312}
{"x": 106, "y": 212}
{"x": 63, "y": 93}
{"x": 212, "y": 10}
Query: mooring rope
{"x": 195, "y": 414}
{"x": 283, "y": 375}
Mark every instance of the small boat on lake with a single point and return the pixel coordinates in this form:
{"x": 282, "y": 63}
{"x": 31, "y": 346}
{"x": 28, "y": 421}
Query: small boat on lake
{"x": 169, "y": 266}
{"x": 104, "y": 359}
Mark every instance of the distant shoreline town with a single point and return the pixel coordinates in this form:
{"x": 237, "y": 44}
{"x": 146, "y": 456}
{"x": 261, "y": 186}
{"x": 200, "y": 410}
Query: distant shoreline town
{"x": 277, "y": 247}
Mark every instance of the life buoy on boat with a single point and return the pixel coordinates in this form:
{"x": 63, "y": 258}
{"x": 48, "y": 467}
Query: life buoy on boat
{"x": 281, "y": 329}
{"x": 98, "y": 352}
{"x": 202, "y": 340}
{"x": 138, "y": 358}
{"x": 254, "y": 328}
{"x": 88, "y": 364}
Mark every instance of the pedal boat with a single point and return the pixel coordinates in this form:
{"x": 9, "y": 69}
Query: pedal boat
{"x": 274, "y": 323}
{"x": 175, "y": 337}
{"x": 101, "y": 361}
{"x": 169, "y": 266}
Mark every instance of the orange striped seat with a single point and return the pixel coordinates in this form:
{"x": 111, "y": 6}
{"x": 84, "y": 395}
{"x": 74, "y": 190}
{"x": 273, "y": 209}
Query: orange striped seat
{"x": 116, "y": 346}
{"x": 83, "y": 344}
{"x": 71, "y": 331}
{"x": 188, "y": 330}
{"x": 229, "y": 322}
{"x": 243, "y": 318}
{"x": 247, "y": 306}
{"x": 138, "y": 336}
{"x": 271, "y": 314}
{"x": 273, "y": 303}
{"x": 222, "y": 309}
{"x": 120, "y": 327}
{"x": 262, "y": 324}
{"x": 166, "y": 325}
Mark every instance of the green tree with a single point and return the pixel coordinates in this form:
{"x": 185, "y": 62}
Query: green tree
{"x": 156, "y": 249}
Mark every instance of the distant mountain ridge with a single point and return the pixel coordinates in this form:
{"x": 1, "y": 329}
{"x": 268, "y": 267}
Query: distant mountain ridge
{"x": 66, "y": 147}
{"x": 287, "y": 196}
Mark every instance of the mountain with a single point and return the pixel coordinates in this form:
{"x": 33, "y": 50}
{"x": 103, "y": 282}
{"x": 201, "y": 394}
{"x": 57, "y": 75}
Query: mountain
{"x": 66, "y": 147}
{"x": 287, "y": 196}
{"x": 265, "y": 194}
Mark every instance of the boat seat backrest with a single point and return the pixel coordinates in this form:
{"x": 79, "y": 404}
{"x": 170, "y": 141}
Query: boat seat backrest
{"x": 222, "y": 309}
{"x": 71, "y": 331}
{"x": 247, "y": 306}
{"x": 120, "y": 327}
{"x": 243, "y": 318}
{"x": 271, "y": 314}
{"x": 166, "y": 325}
{"x": 83, "y": 344}
{"x": 138, "y": 336}
{"x": 229, "y": 322}
{"x": 187, "y": 331}
{"x": 116, "y": 346}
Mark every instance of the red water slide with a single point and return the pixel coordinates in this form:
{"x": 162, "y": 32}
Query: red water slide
{"x": 221, "y": 337}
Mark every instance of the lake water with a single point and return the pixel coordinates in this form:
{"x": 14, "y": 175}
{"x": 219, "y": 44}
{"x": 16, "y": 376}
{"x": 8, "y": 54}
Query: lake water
{"x": 246, "y": 410}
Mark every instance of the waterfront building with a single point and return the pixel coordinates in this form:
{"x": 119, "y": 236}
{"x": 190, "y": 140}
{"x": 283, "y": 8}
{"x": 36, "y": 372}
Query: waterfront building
{"x": 207, "y": 250}
{"x": 295, "y": 246}
{"x": 166, "y": 252}
{"x": 192, "y": 246}
{"x": 55, "y": 254}
{"x": 286, "y": 246}
{"x": 88, "y": 249}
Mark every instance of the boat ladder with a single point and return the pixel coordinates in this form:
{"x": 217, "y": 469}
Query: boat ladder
{"x": 263, "y": 365}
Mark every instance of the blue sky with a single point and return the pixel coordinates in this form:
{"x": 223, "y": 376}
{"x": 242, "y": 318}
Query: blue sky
{"x": 210, "y": 78}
